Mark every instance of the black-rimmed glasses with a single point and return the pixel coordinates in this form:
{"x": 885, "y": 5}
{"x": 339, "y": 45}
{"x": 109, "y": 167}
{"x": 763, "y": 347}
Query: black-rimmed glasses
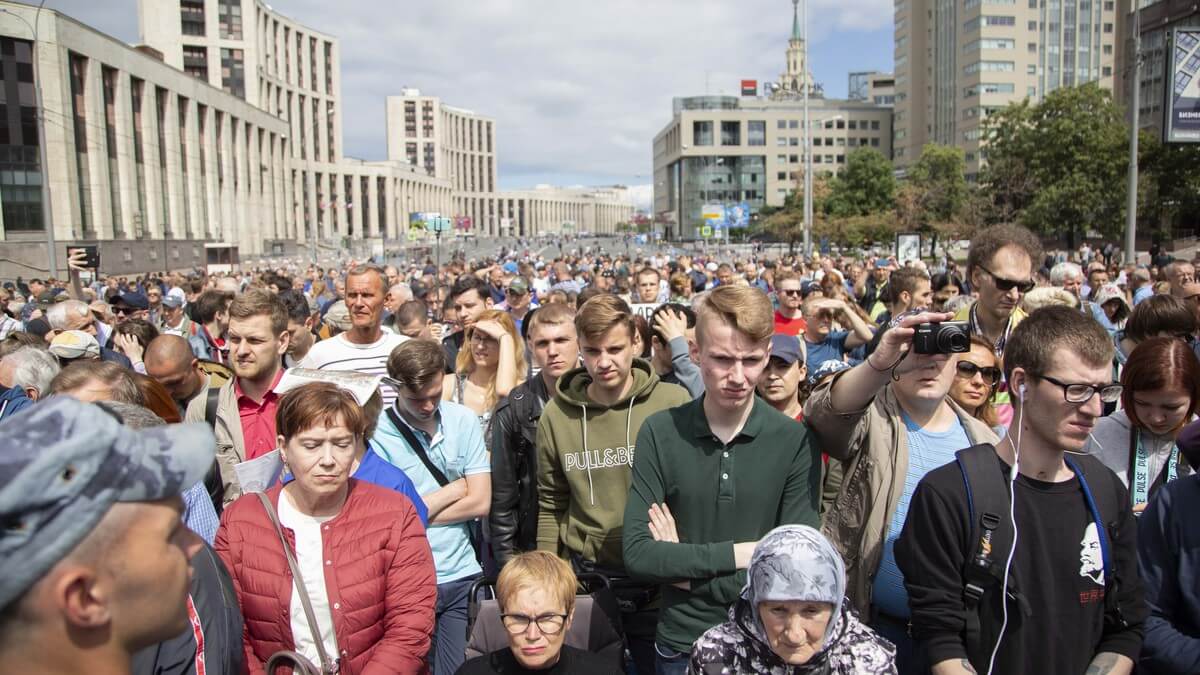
{"x": 1082, "y": 393}
{"x": 548, "y": 624}
{"x": 1006, "y": 285}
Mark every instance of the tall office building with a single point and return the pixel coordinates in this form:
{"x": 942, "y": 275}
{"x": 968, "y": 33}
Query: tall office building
{"x": 957, "y": 62}
{"x": 1159, "y": 19}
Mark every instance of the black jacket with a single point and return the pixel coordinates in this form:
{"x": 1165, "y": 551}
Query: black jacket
{"x": 215, "y": 601}
{"x": 513, "y": 516}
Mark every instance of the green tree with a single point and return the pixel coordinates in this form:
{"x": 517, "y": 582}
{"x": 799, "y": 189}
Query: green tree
{"x": 864, "y": 187}
{"x": 1059, "y": 166}
{"x": 1168, "y": 185}
{"x": 935, "y": 198}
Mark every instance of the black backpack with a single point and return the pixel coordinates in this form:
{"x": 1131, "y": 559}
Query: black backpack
{"x": 991, "y": 540}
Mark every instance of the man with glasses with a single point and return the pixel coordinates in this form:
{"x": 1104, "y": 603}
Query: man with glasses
{"x": 1000, "y": 267}
{"x": 1061, "y": 542}
{"x": 789, "y": 320}
{"x": 889, "y": 421}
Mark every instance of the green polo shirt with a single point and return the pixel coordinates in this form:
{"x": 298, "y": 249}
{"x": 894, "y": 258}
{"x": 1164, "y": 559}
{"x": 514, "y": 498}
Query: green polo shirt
{"x": 719, "y": 494}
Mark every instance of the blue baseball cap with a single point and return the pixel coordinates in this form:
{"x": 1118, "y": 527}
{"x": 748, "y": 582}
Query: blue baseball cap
{"x": 66, "y": 463}
{"x": 786, "y": 347}
{"x": 825, "y": 369}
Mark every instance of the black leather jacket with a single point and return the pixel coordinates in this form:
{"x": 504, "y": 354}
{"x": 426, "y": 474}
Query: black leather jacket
{"x": 513, "y": 516}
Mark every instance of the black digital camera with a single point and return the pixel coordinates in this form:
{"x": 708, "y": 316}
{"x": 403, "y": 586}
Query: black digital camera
{"x": 947, "y": 337}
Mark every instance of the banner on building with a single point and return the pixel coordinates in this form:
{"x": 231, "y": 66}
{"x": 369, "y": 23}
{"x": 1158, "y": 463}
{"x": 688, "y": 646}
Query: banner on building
{"x": 749, "y": 87}
{"x": 738, "y": 215}
{"x": 713, "y": 215}
{"x": 1183, "y": 101}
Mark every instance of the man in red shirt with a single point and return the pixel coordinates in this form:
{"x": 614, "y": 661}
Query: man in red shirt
{"x": 788, "y": 318}
{"x": 245, "y": 425}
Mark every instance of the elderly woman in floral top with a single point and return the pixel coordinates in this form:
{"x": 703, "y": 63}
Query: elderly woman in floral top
{"x": 791, "y": 618}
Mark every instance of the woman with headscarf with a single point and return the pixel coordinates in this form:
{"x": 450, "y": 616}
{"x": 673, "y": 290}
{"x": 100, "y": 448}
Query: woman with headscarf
{"x": 792, "y": 618}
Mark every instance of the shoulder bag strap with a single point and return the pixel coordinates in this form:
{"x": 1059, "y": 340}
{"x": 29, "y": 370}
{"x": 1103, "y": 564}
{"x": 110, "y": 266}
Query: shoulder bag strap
{"x": 326, "y": 664}
{"x": 417, "y": 446}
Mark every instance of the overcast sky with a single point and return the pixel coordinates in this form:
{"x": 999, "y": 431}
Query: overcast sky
{"x": 578, "y": 89}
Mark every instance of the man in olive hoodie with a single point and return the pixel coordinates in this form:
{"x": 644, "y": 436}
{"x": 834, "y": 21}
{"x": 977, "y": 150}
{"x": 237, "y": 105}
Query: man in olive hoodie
{"x": 585, "y": 446}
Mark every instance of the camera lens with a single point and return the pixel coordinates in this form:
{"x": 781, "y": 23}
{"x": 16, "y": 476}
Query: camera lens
{"x": 954, "y": 342}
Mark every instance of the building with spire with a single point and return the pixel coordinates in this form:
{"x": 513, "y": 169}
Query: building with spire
{"x": 731, "y": 150}
{"x": 797, "y": 76}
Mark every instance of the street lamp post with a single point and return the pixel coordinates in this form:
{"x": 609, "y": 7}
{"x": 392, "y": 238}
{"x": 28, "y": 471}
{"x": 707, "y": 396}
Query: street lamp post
{"x": 807, "y": 142}
{"x": 47, "y": 221}
{"x": 1134, "y": 104}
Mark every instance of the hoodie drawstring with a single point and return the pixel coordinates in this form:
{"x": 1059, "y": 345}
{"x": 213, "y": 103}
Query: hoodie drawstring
{"x": 586, "y": 459}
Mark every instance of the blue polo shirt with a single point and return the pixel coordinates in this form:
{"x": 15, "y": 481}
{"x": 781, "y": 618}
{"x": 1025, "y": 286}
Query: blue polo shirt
{"x": 456, "y": 448}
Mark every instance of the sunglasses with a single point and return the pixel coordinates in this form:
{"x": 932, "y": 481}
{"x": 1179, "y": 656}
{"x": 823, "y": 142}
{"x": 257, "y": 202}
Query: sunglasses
{"x": 794, "y": 292}
{"x": 1006, "y": 285}
{"x": 968, "y": 370}
{"x": 513, "y": 291}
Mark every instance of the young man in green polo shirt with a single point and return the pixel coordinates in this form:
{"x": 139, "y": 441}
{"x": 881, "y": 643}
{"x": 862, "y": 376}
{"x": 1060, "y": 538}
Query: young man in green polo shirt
{"x": 767, "y": 474}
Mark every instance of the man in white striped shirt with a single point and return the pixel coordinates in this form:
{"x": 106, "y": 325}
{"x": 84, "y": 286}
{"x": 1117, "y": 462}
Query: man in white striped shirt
{"x": 366, "y": 346}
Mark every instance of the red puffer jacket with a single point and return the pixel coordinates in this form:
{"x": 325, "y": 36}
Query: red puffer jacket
{"x": 379, "y": 576}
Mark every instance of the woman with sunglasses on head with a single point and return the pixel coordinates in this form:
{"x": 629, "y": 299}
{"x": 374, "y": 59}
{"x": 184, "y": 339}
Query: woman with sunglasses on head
{"x": 976, "y": 376}
{"x": 492, "y": 367}
{"x": 1160, "y": 395}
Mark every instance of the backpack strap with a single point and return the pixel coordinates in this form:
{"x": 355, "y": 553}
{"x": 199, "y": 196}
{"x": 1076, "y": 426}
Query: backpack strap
{"x": 990, "y": 538}
{"x": 213, "y": 482}
{"x": 1105, "y": 504}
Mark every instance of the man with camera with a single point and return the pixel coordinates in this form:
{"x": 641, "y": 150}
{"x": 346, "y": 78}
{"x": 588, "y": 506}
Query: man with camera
{"x": 889, "y": 420}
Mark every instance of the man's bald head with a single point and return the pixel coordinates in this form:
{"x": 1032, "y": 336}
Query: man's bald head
{"x": 169, "y": 360}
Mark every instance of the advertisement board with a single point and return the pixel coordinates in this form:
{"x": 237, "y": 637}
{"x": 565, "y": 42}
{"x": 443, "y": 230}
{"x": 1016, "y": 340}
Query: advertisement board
{"x": 713, "y": 215}
{"x": 738, "y": 215}
{"x": 1182, "y": 124}
{"x": 749, "y": 87}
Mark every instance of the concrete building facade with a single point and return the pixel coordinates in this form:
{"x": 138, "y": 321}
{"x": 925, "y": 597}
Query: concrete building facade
{"x": 958, "y": 61}
{"x": 140, "y": 158}
{"x": 1159, "y": 18}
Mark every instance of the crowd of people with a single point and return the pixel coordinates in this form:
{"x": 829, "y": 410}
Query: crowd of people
{"x": 843, "y": 465}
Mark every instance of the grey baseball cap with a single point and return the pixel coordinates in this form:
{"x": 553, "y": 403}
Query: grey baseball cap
{"x": 65, "y": 463}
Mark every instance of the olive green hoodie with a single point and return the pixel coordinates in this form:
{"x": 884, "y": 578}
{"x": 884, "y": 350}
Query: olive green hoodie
{"x": 585, "y": 462}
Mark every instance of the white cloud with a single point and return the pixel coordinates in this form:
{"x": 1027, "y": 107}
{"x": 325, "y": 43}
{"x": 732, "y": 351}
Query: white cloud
{"x": 577, "y": 89}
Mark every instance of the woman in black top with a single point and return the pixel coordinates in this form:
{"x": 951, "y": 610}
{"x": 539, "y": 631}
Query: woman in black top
{"x": 536, "y": 592}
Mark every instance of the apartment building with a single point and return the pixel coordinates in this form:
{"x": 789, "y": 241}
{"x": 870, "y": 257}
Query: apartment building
{"x": 958, "y": 61}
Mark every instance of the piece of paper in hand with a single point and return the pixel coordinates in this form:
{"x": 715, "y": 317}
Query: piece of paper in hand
{"x": 359, "y": 384}
{"x": 260, "y": 473}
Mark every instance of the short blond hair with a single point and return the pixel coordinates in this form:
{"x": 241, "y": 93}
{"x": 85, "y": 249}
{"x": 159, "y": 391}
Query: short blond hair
{"x": 744, "y": 308}
{"x": 537, "y": 569}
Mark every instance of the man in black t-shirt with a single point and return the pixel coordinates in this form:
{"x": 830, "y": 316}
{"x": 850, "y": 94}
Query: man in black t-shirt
{"x": 1075, "y": 538}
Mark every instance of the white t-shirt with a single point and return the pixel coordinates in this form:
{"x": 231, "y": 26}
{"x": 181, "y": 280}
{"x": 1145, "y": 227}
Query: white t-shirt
{"x": 338, "y": 353}
{"x": 309, "y": 559}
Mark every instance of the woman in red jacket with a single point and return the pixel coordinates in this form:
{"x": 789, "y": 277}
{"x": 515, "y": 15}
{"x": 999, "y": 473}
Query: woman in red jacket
{"x": 360, "y": 549}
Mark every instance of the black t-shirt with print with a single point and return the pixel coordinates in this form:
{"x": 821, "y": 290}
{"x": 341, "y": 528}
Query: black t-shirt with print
{"x": 1058, "y": 569}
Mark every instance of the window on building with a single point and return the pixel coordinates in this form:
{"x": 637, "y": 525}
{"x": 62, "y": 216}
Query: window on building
{"x": 853, "y": 125}
{"x": 781, "y": 124}
{"x": 794, "y": 141}
{"x": 229, "y": 15}
{"x": 781, "y": 159}
{"x": 874, "y": 125}
{"x": 195, "y": 61}
{"x": 756, "y": 132}
{"x": 874, "y": 142}
{"x": 731, "y": 133}
{"x": 781, "y": 175}
{"x": 191, "y": 17}
{"x": 702, "y": 132}
{"x": 1108, "y": 28}
{"x": 233, "y": 71}
{"x": 793, "y": 124}
{"x": 793, "y": 159}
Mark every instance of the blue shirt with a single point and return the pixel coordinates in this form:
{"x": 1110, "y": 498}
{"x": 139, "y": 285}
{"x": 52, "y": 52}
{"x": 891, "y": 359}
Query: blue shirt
{"x": 927, "y": 450}
{"x": 456, "y": 449}
{"x": 1142, "y": 293}
{"x": 198, "y": 513}
{"x": 375, "y": 469}
{"x": 830, "y": 349}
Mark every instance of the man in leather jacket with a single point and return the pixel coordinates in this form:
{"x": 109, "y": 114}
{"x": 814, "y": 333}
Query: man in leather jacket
{"x": 513, "y": 517}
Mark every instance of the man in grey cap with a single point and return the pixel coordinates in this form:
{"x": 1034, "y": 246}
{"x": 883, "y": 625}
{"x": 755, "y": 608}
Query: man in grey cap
{"x": 94, "y": 553}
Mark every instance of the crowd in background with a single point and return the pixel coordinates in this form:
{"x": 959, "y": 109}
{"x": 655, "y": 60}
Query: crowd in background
{"x": 844, "y": 464}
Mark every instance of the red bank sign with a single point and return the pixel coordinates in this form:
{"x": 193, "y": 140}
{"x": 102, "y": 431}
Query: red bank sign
{"x": 749, "y": 87}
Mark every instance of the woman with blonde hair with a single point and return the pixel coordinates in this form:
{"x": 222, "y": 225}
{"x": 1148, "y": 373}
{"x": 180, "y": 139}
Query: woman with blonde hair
{"x": 492, "y": 366}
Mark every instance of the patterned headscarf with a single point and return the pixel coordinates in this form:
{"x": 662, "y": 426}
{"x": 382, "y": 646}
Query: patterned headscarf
{"x": 795, "y": 562}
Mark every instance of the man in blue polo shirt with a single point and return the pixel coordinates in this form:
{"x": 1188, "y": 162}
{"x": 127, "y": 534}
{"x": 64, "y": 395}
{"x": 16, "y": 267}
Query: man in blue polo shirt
{"x": 440, "y": 446}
